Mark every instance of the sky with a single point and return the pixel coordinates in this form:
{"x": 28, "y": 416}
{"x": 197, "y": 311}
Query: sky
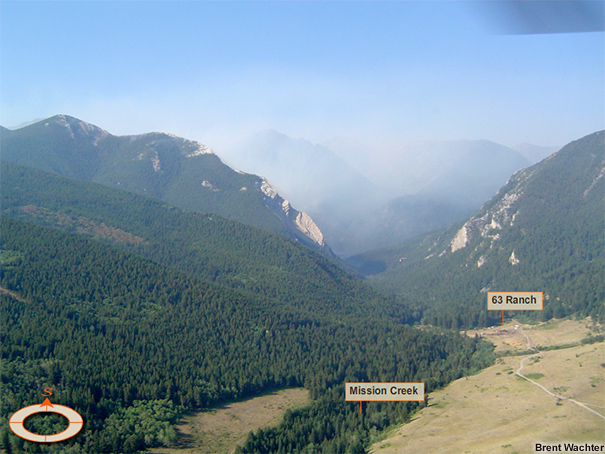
{"x": 382, "y": 73}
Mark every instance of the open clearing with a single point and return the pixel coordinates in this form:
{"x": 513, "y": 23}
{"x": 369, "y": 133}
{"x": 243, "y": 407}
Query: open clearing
{"x": 221, "y": 430}
{"x": 497, "y": 411}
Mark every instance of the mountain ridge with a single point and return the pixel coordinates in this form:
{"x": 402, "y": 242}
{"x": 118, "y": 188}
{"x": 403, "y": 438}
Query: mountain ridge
{"x": 205, "y": 244}
{"x": 541, "y": 232}
{"x": 183, "y": 172}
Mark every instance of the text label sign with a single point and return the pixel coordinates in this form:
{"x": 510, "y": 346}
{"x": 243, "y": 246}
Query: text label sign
{"x": 384, "y": 392}
{"x": 514, "y": 301}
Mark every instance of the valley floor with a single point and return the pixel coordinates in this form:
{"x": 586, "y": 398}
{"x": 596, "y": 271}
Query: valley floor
{"x": 498, "y": 411}
{"x": 221, "y": 430}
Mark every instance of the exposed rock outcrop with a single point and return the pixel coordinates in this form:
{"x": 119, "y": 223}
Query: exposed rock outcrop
{"x": 298, "y": 222}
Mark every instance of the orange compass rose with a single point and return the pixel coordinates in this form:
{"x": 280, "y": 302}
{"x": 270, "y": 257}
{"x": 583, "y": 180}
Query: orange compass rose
{"x": 75, "y": 422}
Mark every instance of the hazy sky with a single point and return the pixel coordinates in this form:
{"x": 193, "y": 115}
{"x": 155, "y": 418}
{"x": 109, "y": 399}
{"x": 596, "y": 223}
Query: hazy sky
{"x": 377, "y": 72}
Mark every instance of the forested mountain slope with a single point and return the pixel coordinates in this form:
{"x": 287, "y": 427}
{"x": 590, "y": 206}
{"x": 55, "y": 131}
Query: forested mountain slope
{"x": 129, "y": 344}
{"x": 182, "y": 172}
{"x": 204, "y": 245}
{"x": 543, "y": 231}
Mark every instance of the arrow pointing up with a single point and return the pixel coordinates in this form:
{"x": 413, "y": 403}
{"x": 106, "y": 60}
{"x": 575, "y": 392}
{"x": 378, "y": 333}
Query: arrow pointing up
{"x": 46, "y": 403}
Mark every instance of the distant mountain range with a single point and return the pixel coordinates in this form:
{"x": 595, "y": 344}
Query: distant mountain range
{"x": 309, "y": 173}
{"x": 340, "y": 199}
{"x": 427, "y": 166}
{"x": 542, "y": 231}
{"x": 364, "y": 200}
{"x": 181, "y": 172}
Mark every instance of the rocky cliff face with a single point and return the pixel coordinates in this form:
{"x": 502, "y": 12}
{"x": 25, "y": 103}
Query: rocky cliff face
{"x": 486, "y": 225}
{"x": 298, "y": 222}
{"x": 559, "y": 185}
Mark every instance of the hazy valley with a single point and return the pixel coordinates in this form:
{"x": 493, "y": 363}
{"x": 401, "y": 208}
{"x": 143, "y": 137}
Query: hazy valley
{"x": 364, "y": 198}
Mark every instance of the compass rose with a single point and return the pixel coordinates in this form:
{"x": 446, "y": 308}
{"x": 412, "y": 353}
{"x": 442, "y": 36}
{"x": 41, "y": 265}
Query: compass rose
{"x": 75, "y": 422}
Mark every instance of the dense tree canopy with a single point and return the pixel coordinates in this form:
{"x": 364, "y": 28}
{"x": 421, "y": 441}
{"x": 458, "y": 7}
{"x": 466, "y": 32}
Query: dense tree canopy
{"x": 123, "y": 339}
